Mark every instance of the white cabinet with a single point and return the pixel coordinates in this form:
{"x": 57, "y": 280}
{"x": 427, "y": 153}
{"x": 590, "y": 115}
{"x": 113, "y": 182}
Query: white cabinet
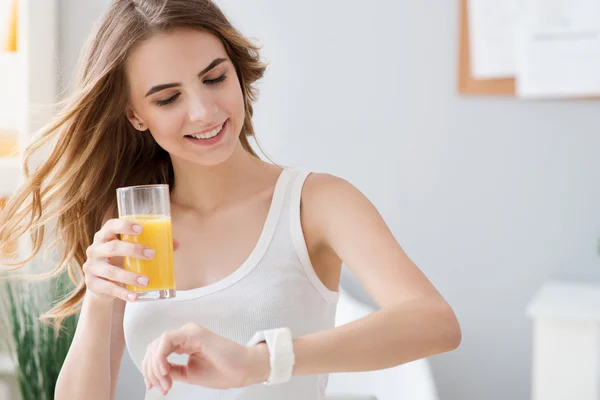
{"x": 566, "y": 341}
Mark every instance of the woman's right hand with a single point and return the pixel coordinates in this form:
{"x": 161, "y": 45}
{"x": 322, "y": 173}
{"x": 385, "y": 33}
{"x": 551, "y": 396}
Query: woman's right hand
{"x": 103, "y": 269}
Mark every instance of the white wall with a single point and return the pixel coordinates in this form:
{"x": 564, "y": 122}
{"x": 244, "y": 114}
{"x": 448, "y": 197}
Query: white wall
{"x": 490, "y": 197}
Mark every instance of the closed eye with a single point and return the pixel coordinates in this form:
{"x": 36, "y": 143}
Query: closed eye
{"x": 171, "y": 99}
{"x": 167, "y": 101}
{"x": 216, "y": 81}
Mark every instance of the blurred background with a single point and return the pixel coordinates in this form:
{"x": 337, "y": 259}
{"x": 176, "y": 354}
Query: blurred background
{"x": 491, "y": 196}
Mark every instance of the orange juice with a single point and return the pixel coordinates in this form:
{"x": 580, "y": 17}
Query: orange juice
{"x": 157, "y": 236}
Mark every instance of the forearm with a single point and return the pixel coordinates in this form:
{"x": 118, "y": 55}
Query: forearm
{"x": 86, "y": 370}
{"x": 384, "y": 339}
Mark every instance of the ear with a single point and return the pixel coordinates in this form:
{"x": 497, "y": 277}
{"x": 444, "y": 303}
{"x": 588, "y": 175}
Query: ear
{"x": 133, "y": 117}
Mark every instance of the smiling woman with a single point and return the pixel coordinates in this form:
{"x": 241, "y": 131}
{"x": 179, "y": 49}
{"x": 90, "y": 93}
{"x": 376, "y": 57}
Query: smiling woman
{"x": 189, "y": 111}
{"x": 164, "y": 96}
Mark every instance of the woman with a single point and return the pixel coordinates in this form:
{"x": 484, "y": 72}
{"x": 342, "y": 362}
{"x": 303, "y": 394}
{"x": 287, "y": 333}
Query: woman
{"x": 165, "y": 95}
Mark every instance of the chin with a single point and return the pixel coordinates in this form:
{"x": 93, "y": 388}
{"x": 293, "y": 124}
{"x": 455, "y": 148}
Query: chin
{"x": 212, "y": 160}
{"x": 213, "y": 157}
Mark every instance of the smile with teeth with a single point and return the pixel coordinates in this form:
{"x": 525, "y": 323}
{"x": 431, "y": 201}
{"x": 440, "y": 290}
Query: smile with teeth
{"x": 210, "y": 134}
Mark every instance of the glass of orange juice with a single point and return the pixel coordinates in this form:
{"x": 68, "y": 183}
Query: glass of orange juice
{"x": 149, "y": 206}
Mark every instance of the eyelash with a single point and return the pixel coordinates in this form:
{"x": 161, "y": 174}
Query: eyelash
{"x": 171, "y": 99}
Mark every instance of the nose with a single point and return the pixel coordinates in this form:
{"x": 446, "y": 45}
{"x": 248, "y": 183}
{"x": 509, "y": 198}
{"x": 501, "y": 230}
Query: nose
{"x": 202, "y": 108}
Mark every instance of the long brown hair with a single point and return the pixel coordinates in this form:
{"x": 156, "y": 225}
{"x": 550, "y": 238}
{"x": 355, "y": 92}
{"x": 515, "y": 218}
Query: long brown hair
{"x": 95, "y": 148}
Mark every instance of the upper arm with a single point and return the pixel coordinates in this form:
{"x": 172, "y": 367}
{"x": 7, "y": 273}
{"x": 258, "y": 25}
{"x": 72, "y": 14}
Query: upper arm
{"x": 353, "y": 228}
{"x": 117, "y": 344}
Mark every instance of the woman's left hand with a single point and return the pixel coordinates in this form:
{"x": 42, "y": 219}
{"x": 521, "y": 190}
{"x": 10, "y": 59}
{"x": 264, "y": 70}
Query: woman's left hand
{"x": 214, "y": 361}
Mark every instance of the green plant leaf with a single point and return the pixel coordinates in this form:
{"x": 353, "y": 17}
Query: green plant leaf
{"x": 37, "y": 348}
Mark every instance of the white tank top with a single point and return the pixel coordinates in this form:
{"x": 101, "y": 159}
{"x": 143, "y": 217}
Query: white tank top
{"x": 275, "y": 287}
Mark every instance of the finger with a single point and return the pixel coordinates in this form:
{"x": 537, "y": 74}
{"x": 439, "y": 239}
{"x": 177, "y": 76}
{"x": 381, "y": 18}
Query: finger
{"x": 167, "y": 344}
{"x": 146, "y": 381}
{"x": 145, "y": 372}
{"x": 118, "y": 248}
{"x": 158, "y": 363}
{"x": 175, "y": 245}
{"x": 168, "y": 382}
{"x": 164, "y": 384}
{"x": 178, "y": 373}
{"x": 108, "y": 271}
{"x": 152, "y": 377}
{"x": 103, "y": 286}
{"x": 156, "y": 370}
{"x": 114, "y": 227}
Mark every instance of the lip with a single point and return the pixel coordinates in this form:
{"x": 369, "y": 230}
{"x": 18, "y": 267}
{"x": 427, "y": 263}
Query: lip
{"x": 207, "y": 130}
{"x": 213, "y": 140}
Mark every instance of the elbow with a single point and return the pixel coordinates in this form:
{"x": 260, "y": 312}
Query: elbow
{"x": 451, "y": 331}
{"x": 454, "y": 338}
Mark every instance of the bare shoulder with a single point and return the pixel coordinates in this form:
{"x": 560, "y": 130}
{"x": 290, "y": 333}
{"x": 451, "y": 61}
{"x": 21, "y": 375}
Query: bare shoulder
{"x": 322, "y": 187}
{"x": 332, "y": 193}
{"x": 327, "y": 200}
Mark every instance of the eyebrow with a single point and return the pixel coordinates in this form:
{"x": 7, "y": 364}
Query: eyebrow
{"x": 164, "y": 86}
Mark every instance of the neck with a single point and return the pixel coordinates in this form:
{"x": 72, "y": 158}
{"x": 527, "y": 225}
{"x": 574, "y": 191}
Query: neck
{"x": 207, "y": 188}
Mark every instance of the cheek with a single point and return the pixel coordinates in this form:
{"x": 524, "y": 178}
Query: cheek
{"x": 167, "y": 125}
{"x": 236, "y": 105}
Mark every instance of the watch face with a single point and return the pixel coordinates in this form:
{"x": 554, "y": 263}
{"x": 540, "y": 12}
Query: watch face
{"x": 281, "y": 355}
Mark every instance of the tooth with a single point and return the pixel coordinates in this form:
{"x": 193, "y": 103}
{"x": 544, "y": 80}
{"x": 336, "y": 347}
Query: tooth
{"x": 208, "y": 135}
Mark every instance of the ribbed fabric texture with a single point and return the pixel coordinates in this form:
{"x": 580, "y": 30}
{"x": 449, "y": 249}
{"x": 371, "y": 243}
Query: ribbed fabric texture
{"x": 275, "y": 287}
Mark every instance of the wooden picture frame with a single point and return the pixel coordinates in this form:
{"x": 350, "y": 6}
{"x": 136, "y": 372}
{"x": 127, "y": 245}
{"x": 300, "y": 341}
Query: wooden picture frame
{"x": 466, "y": 83}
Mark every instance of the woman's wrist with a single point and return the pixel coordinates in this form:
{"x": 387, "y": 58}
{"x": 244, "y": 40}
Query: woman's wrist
{"x": 259, "y": 367}
{"x": 95, "y": 301}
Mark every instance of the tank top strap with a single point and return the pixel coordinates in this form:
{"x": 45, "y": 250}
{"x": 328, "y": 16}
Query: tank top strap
{"x": 280, "y": 197}
{"x": 290, "y": 234}
{"x": 291, "y": 198}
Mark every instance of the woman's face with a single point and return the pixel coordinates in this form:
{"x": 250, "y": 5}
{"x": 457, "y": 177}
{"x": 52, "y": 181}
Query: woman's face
{"x": 185, "y": 90}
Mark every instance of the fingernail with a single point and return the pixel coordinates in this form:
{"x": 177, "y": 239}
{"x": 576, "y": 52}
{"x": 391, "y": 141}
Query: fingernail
{"x": 149, "y": 253}
{"x": 131, "y": 296}
{"x": 137, "y": 228}
{"x": 142, "y": 280}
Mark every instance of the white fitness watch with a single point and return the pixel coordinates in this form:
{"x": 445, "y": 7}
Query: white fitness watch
{"x": 281, "y": 353}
